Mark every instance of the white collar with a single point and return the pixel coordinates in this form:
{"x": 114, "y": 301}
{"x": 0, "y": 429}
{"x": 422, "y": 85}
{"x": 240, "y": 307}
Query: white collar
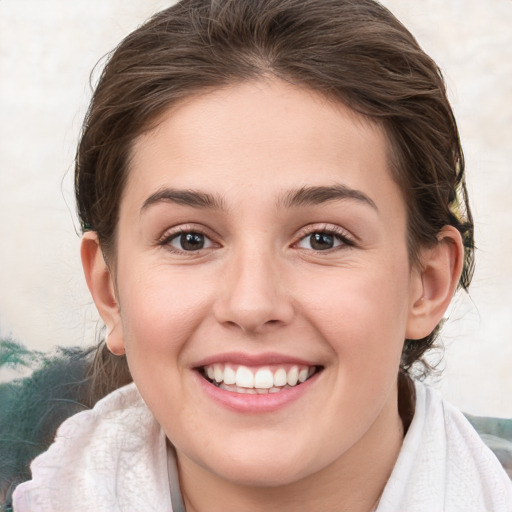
{"x": 114, "y": 458}
{"x": 444, "y": 465}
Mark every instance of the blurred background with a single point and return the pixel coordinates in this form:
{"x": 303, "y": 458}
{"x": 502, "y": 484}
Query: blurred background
{"x": 47, "y": 51}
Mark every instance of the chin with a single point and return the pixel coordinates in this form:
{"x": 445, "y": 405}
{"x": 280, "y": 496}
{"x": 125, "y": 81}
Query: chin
{"x": 262, "y": 468}
{"x": 263, "y": 475}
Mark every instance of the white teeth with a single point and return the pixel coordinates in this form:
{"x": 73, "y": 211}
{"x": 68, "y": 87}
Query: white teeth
{"x": 218, "y": 374}
{"x": 264, "y": 379}
{"x": 293, "y": 376}
{"x": 280, "y": 378}
{"x": 251, "y": 391}
{"x": 229, "y": 375}
{"x": 303, "y": 375}
{"x": 244, "y": 377}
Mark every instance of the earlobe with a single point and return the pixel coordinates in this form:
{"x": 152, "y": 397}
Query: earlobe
{"x": 101, "y": 285}
{"x": 437, "y": 281}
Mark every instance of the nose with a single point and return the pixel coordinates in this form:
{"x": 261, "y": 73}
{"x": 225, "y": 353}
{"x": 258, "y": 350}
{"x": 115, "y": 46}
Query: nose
{"x": 254, "y": 296}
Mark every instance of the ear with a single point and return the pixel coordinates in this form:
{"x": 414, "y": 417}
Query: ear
{"x": 101, "y": 285}
{"x": 436, "y": 279}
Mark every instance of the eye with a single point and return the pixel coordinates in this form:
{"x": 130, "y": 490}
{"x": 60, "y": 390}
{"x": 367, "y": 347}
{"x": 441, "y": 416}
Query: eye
{"x": 323, "y": 241}
{"x": 189, "y": 241}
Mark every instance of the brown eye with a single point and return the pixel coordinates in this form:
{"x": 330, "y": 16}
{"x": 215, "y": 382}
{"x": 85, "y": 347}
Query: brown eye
{"x": 190, "y": 241}
{"x": 322, "y": 241}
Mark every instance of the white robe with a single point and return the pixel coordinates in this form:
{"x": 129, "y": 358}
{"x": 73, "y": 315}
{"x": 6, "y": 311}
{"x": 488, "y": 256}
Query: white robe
{"x": 444, "y": 466}
{"x": 115, "y": 458}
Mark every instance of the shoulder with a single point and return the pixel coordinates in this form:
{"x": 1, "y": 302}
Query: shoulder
{"x": 115, "y": 449}
{"x": 444, "y": 465}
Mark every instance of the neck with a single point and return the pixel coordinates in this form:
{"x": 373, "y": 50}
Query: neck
{"x": 354, "y": 482}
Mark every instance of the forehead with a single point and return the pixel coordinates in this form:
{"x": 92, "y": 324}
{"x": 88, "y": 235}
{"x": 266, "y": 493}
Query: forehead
{"x": 262, "y": 137}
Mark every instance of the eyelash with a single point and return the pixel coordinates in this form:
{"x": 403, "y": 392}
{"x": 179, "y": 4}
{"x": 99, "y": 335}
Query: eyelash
{"x": 330, "y": 230}
{"x": 166, "y": 240}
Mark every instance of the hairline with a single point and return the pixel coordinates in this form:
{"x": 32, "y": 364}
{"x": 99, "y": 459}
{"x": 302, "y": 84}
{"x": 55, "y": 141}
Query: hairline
{"x": 154, "y": 120}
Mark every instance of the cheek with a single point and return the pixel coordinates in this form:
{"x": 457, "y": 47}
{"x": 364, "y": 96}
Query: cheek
{"x": 160, "y": 314}
{"x": 160, "y": 309}
{"x": 362, "y": 314}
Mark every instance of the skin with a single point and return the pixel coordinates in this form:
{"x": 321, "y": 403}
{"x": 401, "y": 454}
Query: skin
{"x": 259, "y": 287}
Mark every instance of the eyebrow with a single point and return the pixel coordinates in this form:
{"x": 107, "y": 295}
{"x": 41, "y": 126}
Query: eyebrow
{"x": 303, "y": 196}
{"x": 193, "y": 198}
{"x": 317, "y": 195}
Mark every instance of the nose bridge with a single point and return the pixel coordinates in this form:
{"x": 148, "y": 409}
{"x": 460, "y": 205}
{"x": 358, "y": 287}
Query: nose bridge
{"x": 254, "y": 295}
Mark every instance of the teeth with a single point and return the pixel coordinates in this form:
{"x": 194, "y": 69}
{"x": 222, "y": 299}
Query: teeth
{"x": 280, "y": 378}
{"x": 303, "y": 375}
{"x": 229, "y": 375}
{"x": 264, "y": 379}
{"x": 218, "y": 374}
{"x": 243, "y": 379}
{"x": 293, "y": 376}
{"x": 251, "y": 391}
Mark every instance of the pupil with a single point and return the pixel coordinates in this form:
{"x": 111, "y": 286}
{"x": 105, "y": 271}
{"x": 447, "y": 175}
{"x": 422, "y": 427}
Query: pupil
{"x": 192, "y": 241}
{"x": 321, "y": 241}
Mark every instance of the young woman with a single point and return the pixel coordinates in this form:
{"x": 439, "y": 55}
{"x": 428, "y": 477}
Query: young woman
{"x": 275, "y": 220}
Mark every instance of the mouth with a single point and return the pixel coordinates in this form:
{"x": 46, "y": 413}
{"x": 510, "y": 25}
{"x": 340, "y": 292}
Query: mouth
{"x": 259, "y": 380}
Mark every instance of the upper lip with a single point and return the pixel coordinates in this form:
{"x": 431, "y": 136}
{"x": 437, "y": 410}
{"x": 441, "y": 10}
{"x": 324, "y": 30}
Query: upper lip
{"x": 263, "y": 359}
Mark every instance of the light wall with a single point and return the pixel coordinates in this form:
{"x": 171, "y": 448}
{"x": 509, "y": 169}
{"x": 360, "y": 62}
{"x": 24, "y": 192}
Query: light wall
{"x": 47, "y": 50}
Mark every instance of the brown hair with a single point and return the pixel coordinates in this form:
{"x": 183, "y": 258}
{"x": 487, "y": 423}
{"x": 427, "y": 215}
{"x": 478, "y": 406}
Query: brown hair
{"x": 354, "y": 51}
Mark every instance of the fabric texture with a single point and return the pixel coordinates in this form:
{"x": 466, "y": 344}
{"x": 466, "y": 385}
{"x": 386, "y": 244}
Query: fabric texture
{"x": 110, "y": 458}
{"x": 444, "y": 465}
{"x": 115, "y": 458}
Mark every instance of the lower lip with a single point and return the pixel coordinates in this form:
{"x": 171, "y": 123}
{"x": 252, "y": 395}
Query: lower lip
{"x": 255, "y": 404}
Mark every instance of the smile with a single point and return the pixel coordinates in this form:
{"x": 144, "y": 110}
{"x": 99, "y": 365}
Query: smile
{"x": 257, "y": 380}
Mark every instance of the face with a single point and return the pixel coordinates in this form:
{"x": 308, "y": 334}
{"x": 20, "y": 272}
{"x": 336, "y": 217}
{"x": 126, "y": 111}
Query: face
{"x": 263, "y": 281}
